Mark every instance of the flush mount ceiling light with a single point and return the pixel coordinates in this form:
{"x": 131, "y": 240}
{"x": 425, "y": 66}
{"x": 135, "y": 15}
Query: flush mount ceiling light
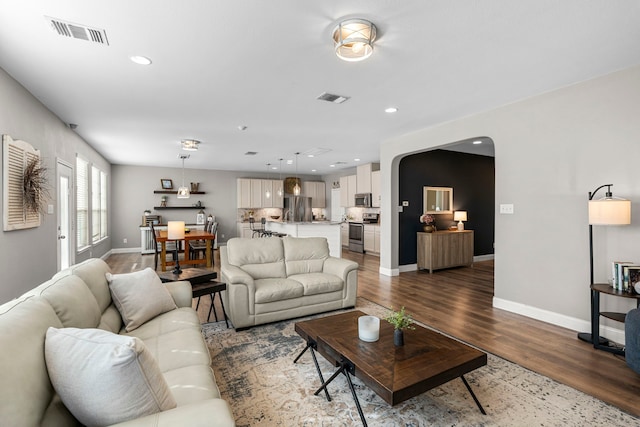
{"x": 353, "y": 39}
{"x": 190, "y": 144}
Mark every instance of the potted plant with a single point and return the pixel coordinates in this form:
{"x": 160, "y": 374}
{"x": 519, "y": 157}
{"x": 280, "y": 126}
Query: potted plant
{"x": 400, "y": 320}
{"x": 429, "y": 223}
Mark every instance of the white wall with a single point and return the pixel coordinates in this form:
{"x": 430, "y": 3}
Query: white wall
{"x": 28, "y": 257}
{"x": 551, "y": 150}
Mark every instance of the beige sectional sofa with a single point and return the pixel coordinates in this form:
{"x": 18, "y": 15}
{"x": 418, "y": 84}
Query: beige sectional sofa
{"x": 272, "y": 279}
{"x": 79, "y": 299}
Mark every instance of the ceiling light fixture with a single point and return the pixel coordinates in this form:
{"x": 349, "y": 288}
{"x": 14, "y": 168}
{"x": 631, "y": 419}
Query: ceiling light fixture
{"x": 280, "y": 190}
{"x": 140, "y": 60}
{"x": 183, "y": 192}
{"x": 353, "y": 39}
{"x": 190, "y": 144}
{"x": 391, "y": 110}
{"x": 296, "y": 188}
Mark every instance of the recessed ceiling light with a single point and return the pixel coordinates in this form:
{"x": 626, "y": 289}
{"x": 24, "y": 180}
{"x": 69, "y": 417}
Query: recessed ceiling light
{"x": 310, "y": 155}
{"x": 140, "y": 60}
{"x": 332, "y": 166}
{"x": 290, "y": 162}
{"x": 356, "y": 160}
{"x": 390, "y": 110}
{"x": 313, "y": 170}
{"x": 477, "y": 142}
{"x": 274, "y": 167}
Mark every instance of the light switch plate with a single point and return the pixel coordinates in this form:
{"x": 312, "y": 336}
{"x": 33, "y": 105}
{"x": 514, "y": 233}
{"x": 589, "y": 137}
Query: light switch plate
{"x": 405, "y": 203}
{"x": 50, "y": 209}
{"x": 506, "y": 208}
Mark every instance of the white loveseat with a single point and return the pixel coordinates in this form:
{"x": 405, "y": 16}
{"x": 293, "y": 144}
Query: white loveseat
{"x": 272, "y": 279}
{"x": 79, "y": 297}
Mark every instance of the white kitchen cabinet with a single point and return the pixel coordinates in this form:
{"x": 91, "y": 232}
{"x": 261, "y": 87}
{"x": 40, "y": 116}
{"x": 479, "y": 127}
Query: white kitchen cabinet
{"x": 266, "y": 186}
{"x": 344, "y": 190}
{"x": 363, "y": 173}
{"x": 315, "y": 190}
{"x": 372, "y": 239}
{"x": 243, "y": 188}
{"x": 375, "y": 189}
{"x": 256, "y": 193}
{"x": 278, "y": 185}
{"x": 351, "y": 193}
{"x": 344, "y": 234}
{"x": 244, "y": 230}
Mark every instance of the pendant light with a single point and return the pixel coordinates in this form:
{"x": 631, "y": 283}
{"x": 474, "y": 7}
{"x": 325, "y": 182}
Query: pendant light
{"x": 280, "y": 191}
{"x": 296, "y": 188}
{"x": 267, "y": 192}
{"x": 183, "y": 192}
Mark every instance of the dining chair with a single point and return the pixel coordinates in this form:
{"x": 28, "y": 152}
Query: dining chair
{"x": 157, "y": 249}
{"x": 197, "y": 247}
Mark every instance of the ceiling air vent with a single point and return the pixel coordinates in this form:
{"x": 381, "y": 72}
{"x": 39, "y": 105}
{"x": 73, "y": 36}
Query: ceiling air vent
{"x": 78, "y": 31}
{"x": 250, "y": 153}
{"x": 336, "y": 99}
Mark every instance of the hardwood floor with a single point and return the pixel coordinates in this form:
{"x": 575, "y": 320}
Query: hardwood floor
{"x": 458, "y": 302}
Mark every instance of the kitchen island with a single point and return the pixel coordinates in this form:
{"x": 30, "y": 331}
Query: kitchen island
{"x": 327, "y": 229}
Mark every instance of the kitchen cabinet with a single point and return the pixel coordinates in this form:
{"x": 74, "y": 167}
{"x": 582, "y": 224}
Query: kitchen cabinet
{"x": 444, "y": 249}
{"x": 278, "y": 185}
{"x": 344, "y": 234}
{"x": 315, "y": 190}
{"x": 364, "y": 179}
{"x": 243, "y": 189}
{"x": 375, "y": 189}
{"x": 251, "y": 193}
{"x": 244, "y": 230}
{"x": 348, "y": 190}
{"x": 372, "y": 239}
{"x": 267, "y": 186}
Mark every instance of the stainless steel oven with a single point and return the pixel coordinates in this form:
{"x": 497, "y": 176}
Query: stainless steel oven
{"x": 356, "y": 237}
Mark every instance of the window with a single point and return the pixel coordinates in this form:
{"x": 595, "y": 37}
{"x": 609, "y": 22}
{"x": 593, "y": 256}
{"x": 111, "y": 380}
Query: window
{"x": 98, "y": 204}
{"x": 82, "y": 203}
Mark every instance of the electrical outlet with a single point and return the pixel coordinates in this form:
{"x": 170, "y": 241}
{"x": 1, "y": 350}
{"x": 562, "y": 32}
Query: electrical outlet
{"x": 124, "y": 240}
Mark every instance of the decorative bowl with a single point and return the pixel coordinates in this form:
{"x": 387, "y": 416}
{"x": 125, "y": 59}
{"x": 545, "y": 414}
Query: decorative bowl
{"x": 275, "y": 217}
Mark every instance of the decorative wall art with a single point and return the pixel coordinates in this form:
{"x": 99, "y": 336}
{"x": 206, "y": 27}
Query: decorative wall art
{"x": 25, "y": 185}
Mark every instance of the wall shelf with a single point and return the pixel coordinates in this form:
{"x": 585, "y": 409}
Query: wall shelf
{"x": 159, "y": 208}
{"x": 175, "y": 192}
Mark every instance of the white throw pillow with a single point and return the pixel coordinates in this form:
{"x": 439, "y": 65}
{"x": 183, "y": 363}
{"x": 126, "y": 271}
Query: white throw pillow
{"x": 139, "y": 296}
{"x": 104, "y": 378}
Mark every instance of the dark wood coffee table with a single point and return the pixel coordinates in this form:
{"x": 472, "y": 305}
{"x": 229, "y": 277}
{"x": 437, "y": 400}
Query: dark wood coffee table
{"x": 427, "y": 359}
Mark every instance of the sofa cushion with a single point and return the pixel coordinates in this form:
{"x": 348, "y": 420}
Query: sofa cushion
{"x": 318, "y": 283}
{"x": 260, "y": 258}
{"x": 73, "y": 302}
{"x": 270, "y": 290}
{"x": 26, "y": 394}
{"x": 139, "y": 296}
{"x": 92, "y": 272}
{"x": 305, "y": 254}
{"x": 104, "y": 378}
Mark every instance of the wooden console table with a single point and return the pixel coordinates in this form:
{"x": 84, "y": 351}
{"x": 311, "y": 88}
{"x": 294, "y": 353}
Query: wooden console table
{"x": 444, "y": 249}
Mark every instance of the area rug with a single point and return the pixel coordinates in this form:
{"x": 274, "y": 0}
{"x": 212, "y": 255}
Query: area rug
{"x": 256, "y": 375}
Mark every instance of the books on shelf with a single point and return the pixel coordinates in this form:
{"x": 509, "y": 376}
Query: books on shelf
{"x": 625, "y": 275}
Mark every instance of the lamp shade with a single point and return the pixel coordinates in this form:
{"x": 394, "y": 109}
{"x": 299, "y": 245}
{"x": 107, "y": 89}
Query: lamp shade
{"x": 460, "y": 216}
{"x": 175, "y": 230}
{"x": 610, "y": 211}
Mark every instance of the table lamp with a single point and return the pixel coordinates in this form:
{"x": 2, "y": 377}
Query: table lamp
{"x": 460, "y": 216}
{"x": 175, "y": 231}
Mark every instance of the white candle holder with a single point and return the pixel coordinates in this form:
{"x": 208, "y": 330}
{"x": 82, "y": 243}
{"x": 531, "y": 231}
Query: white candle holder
{"x": 368, "y": 328}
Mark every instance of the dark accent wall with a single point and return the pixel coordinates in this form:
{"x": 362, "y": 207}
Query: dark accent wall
{"x": 473, "y": 180}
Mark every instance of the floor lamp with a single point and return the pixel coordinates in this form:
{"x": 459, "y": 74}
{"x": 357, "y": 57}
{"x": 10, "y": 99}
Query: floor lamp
{"x": 608, "y": 210}
{"x": 175, "y": 231}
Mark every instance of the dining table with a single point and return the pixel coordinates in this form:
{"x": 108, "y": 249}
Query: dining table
{"x": 162, "y": 238}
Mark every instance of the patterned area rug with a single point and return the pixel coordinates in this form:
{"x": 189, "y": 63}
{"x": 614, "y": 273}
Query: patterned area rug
{"x": 256, "y": 375}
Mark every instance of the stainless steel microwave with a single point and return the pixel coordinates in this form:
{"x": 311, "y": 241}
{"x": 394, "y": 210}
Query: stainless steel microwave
{"x": 363, "y": 200}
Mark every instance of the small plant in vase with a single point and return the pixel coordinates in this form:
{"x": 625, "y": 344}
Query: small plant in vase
{"x": 400, "y": 320}
{"x": 429, "y": 223}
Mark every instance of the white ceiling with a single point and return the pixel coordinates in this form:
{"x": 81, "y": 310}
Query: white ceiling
{"x": 222, "y": 64}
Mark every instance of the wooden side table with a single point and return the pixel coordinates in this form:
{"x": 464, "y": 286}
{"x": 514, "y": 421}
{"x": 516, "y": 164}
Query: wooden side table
{"x": 599, "y": 342}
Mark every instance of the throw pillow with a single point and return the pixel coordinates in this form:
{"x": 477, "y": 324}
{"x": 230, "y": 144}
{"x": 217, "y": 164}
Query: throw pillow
{"x": 139, "y": 296}
{"x": 104, "y": 378}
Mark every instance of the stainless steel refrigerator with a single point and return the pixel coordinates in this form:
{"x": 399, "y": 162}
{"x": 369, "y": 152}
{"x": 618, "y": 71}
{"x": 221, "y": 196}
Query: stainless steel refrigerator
{"x": 297, "y": 209}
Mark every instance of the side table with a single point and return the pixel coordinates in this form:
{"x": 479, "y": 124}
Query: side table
{"x": 599, "y": 342}
{"x": 202, "y": 283}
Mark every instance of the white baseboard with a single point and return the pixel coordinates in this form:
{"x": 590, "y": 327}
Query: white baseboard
{"x": 408, "y": 267}
{"x": 124, "y": 250}
{"x": 575, "y": 324}
{"x": 487, "y": 257}
{"x": 389, "y": 271}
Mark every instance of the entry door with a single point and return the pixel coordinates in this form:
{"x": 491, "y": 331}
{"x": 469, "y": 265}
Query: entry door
{"x": 65, "y": 212}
